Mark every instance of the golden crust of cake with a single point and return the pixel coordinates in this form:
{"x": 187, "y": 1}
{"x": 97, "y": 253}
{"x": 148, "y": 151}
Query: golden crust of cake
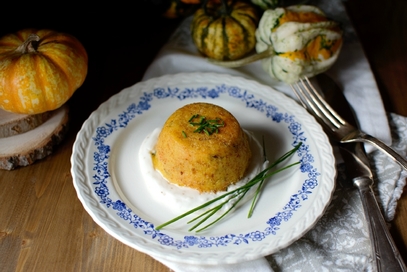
{"x": 207, "y": 163}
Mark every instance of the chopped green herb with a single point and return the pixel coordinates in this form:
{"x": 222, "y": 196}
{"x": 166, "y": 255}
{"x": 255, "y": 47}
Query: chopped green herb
{"x": 206, "y": 126}
{"x": 193, "y": 117}
{"x": 184, "y": 134}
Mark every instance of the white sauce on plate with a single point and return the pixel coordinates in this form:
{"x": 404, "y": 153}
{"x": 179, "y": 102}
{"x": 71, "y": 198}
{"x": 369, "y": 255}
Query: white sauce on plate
{"x": 181, "y": 199}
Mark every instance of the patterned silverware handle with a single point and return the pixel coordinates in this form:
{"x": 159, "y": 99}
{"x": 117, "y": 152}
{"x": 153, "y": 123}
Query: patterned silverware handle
{"x": 385, "y": 251}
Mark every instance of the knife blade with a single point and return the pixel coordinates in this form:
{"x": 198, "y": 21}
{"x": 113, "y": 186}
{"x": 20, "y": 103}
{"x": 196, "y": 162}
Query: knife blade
{"x": 384, "y": 250}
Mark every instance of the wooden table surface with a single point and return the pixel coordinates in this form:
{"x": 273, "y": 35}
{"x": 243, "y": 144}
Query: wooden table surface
{"x": 43, "y": 225}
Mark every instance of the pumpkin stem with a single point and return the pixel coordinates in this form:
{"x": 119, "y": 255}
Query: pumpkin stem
{"x": 269, "y": 52}
{"x": 204, "y": 3}
{"x": 30, "y": 45}
{"x": 225, "y": 7}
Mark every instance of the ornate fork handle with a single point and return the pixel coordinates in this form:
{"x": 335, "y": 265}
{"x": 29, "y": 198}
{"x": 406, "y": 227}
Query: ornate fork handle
{"x": 386, "y": 254}
{"x": 359, "y": 136}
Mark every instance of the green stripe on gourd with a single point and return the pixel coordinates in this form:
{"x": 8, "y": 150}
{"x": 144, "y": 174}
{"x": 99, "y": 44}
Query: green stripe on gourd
{"x": 226, "y": 31}
{"x": 306, "y": 41}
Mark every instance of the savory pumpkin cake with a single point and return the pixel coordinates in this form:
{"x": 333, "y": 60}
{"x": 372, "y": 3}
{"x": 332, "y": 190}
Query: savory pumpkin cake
{"x": 202, "y": 146}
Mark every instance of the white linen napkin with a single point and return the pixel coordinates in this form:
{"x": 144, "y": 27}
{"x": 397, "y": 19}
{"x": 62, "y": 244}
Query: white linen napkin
{"x": 340, "y": 240}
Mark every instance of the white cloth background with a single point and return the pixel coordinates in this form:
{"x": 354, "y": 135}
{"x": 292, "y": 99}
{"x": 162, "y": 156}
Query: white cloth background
{"x": 340, "y": 240}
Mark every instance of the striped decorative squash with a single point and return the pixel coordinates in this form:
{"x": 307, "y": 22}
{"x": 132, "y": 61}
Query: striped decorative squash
{"x": 225, "y": 31}
{"x": 39, "y": 70}
{"x": 305, "y": 42}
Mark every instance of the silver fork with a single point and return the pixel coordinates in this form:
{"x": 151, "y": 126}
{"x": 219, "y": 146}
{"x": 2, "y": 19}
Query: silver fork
{"x": 343, "y": 131}
{"x": 384, "y": 251}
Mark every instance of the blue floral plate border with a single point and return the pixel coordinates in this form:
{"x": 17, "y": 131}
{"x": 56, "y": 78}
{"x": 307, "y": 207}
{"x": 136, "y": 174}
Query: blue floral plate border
{"x": 108, "y": 183}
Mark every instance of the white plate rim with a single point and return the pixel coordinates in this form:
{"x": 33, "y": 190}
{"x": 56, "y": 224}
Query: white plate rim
{"x": 83, "y": 181}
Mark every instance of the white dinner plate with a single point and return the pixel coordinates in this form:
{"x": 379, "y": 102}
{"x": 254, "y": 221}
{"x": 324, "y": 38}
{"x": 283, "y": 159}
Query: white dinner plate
{"x": 109, "y": 183}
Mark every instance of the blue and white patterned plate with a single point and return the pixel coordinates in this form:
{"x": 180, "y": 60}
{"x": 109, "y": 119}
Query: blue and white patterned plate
{"x": 109, "y": 184}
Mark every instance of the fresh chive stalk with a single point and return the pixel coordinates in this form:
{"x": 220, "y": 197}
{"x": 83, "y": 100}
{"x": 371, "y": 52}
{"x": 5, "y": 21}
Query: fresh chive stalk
{"x": 257, "y": 194}
{"x": 238, "y": 193}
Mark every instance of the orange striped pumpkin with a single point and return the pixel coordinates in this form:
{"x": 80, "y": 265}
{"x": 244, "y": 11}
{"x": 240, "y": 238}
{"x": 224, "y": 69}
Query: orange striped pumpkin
{"x": 40, "y": 70}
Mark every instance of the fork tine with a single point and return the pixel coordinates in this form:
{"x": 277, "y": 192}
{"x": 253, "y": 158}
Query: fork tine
{"x": 313, "y": 101}
{"x": 322, "y": 105}
{"x": 302, "y": 97}
{"x": 342, "y": 131}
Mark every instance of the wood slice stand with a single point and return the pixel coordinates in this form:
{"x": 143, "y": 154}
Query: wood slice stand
{"x": 25, "y": 139}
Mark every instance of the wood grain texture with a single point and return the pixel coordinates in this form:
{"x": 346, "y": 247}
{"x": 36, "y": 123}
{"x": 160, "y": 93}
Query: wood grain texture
{"x": 14, "y": 124}
{"x": 43, "y": 225}
{"x": 24, "y": 149}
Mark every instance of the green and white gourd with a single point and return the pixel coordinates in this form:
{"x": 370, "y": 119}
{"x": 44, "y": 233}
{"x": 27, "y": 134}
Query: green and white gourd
{"x": 294, "y": 42}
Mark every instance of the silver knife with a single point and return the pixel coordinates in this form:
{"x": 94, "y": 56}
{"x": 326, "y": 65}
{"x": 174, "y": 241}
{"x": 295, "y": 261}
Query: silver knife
{"x": 385, "y": 252}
